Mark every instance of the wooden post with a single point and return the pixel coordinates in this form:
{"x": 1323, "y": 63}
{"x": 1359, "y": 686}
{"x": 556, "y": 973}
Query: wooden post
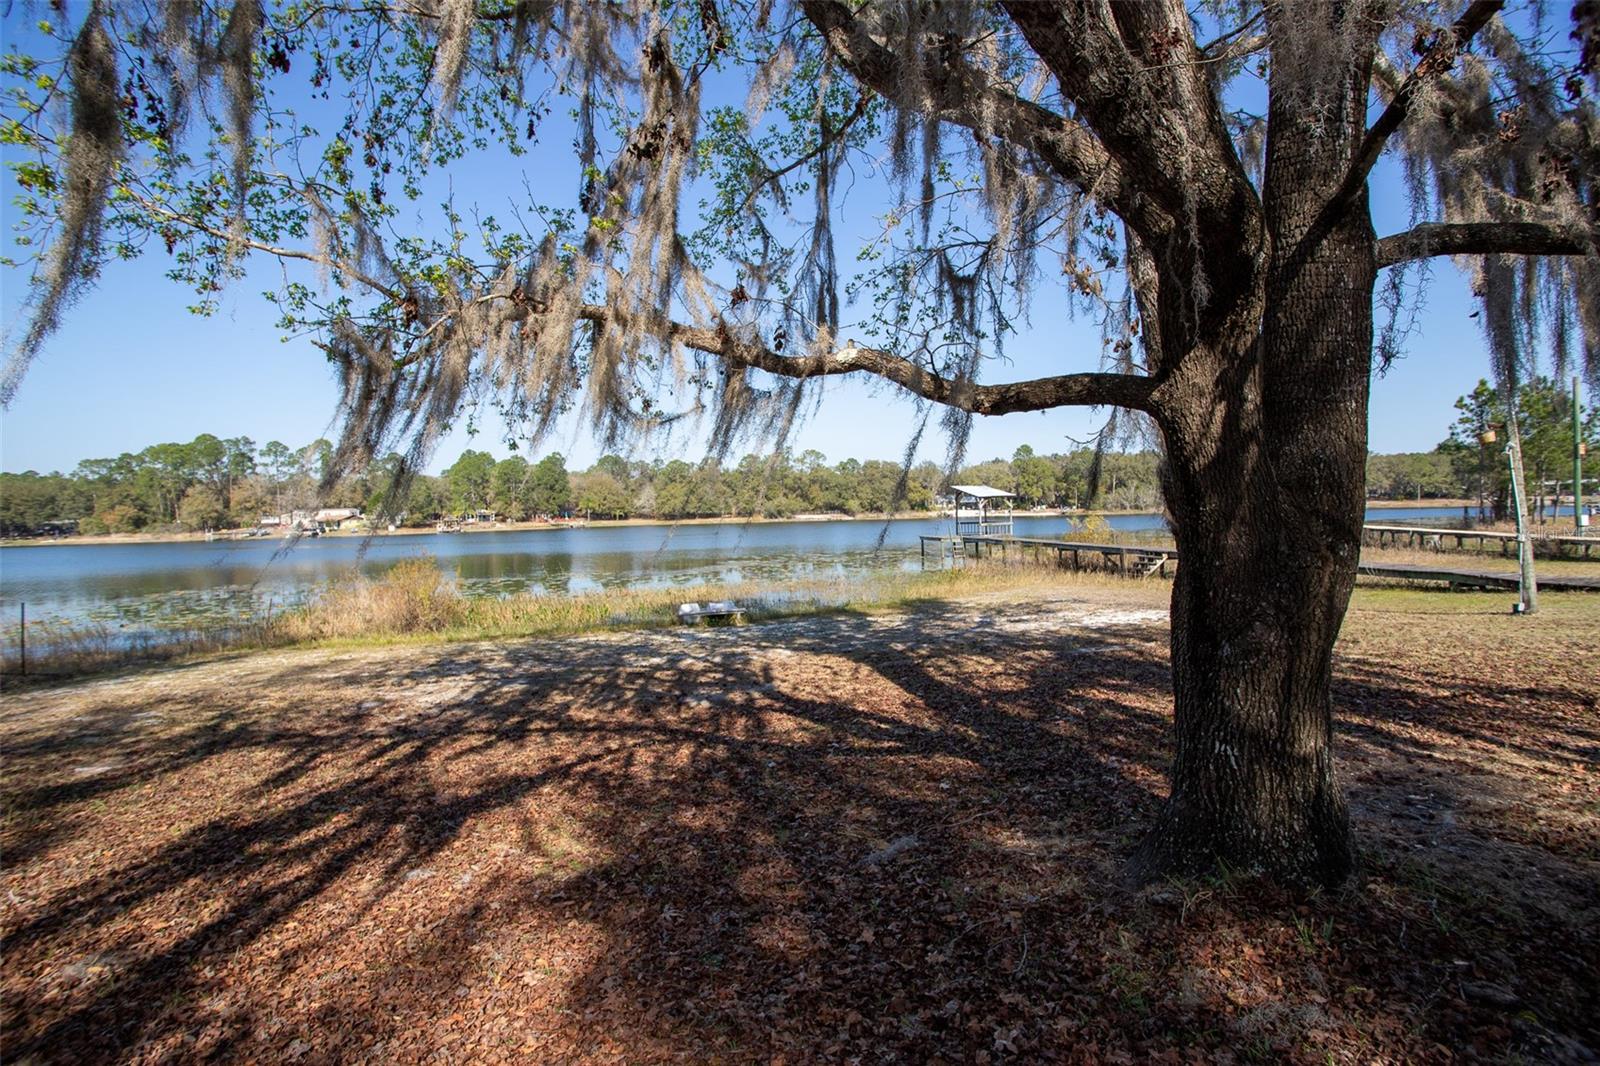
{"x": 22, "y": 641}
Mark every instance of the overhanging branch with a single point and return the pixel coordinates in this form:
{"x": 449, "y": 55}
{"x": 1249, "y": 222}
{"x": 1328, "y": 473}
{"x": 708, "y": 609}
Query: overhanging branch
{"x": 1131, "y": 391}
{"x": 1485, "y": 238}
{"x": 343, "y": 266}
{"x": 1038, "y": 394}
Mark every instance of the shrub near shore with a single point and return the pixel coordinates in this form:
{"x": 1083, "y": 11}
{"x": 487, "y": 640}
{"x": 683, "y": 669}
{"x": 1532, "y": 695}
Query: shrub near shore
{"x": 415, "y": 598}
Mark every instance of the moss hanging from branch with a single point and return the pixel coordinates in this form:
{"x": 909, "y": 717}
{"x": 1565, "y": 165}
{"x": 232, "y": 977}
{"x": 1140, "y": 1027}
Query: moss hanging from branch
{"x": 89, "y": 161}
{"x": 1473, "y": 156}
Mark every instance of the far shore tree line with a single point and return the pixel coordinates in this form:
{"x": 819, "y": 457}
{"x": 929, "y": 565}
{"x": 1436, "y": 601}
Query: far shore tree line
{"x": 1475, "y": 468}
{"x": 215, "y": 483}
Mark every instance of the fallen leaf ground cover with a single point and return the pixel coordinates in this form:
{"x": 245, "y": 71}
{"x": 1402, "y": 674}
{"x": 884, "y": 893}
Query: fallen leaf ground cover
{"x": 879, "y": 838}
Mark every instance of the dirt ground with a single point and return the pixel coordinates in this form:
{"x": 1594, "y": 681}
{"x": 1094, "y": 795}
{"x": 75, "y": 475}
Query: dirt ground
{"x": 851, "y": 838}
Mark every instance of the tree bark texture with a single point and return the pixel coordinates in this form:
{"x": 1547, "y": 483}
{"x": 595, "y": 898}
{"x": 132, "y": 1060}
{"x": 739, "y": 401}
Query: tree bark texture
{"x": 1266, "y": 456}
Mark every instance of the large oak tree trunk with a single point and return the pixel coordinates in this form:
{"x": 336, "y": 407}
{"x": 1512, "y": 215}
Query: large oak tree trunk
{"x": 1269, "y": 536}
{"x": 1254, "y": 617}
{"x": 1266, "y": 457}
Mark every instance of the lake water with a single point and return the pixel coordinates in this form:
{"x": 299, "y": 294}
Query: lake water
{"x": 198, "y": 583}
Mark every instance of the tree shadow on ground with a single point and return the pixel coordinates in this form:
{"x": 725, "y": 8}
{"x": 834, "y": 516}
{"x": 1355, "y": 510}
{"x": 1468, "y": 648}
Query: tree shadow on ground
{"x": 895, "y": 838}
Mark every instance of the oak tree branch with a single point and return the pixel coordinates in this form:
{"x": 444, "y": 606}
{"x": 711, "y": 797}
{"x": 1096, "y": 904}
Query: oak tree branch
{"x": 965, "y": 99}
{"x": 1484, "y": 238}
{"x": 1038, "y": 394}
{"x": 1440, "y": 58}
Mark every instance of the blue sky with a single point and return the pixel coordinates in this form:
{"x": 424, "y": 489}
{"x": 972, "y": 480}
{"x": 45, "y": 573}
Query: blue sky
{"x": 131, "y": 367}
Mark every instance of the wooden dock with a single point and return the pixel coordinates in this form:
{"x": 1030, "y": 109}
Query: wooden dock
{"x": 1435, "y": 538}
{"x": 1475, "y": 579}
{"x": 1124, "y": 558}
{"x": 1141, "y": 561}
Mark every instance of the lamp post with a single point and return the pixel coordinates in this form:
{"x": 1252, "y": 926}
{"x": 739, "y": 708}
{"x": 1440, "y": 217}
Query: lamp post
{"x": 1528, "y": 586}
{"x": 1579, "y": 519}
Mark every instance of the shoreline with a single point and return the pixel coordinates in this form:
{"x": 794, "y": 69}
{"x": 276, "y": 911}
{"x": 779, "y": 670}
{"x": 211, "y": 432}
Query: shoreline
{"x": 417, "y": 601}
{"x": 530, "y": 527}
{"x": 486, "y": 527}
{"x": 103, "y": 539}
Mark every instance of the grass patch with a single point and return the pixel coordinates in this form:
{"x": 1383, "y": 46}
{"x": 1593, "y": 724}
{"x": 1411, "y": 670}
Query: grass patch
{"x": 415, "y": 602}
{"x": 59, "y": 651}
{"x": 1555, "y": 607}
{"x": 1493, "y": 562}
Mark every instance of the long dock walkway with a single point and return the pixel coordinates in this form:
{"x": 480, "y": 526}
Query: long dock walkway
{"x": 1476, "y": 579}
{"x": 1384, "y": 536}
{"x": 1139, "y": 560}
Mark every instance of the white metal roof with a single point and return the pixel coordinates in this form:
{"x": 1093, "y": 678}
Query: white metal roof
{"x": 981, "y": 492}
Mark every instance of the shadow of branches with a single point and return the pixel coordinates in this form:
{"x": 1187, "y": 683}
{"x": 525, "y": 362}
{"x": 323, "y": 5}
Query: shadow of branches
{"x": 896, "y": 837}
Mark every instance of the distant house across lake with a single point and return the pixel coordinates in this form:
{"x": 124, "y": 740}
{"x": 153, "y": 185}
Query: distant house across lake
{"x": 314, "y": 521}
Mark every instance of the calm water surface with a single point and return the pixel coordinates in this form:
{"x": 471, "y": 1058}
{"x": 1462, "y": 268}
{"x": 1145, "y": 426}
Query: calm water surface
{"x": 196, "y": 583}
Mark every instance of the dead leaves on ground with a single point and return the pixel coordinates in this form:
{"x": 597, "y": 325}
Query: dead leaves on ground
{"x": 846, "y": 839}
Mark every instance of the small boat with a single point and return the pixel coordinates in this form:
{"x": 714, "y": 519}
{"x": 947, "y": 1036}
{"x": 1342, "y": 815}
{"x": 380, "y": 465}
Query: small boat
{"x": 447, "y": 527}
{"x": 690, "y": 613}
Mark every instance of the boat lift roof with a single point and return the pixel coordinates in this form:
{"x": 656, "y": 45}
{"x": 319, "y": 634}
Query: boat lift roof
{"x": 982, "y": 492}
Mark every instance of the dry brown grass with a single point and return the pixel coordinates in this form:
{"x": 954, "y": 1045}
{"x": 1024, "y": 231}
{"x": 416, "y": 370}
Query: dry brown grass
{"x": 413, "y": 596}
{"x": 59, "y": 651}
